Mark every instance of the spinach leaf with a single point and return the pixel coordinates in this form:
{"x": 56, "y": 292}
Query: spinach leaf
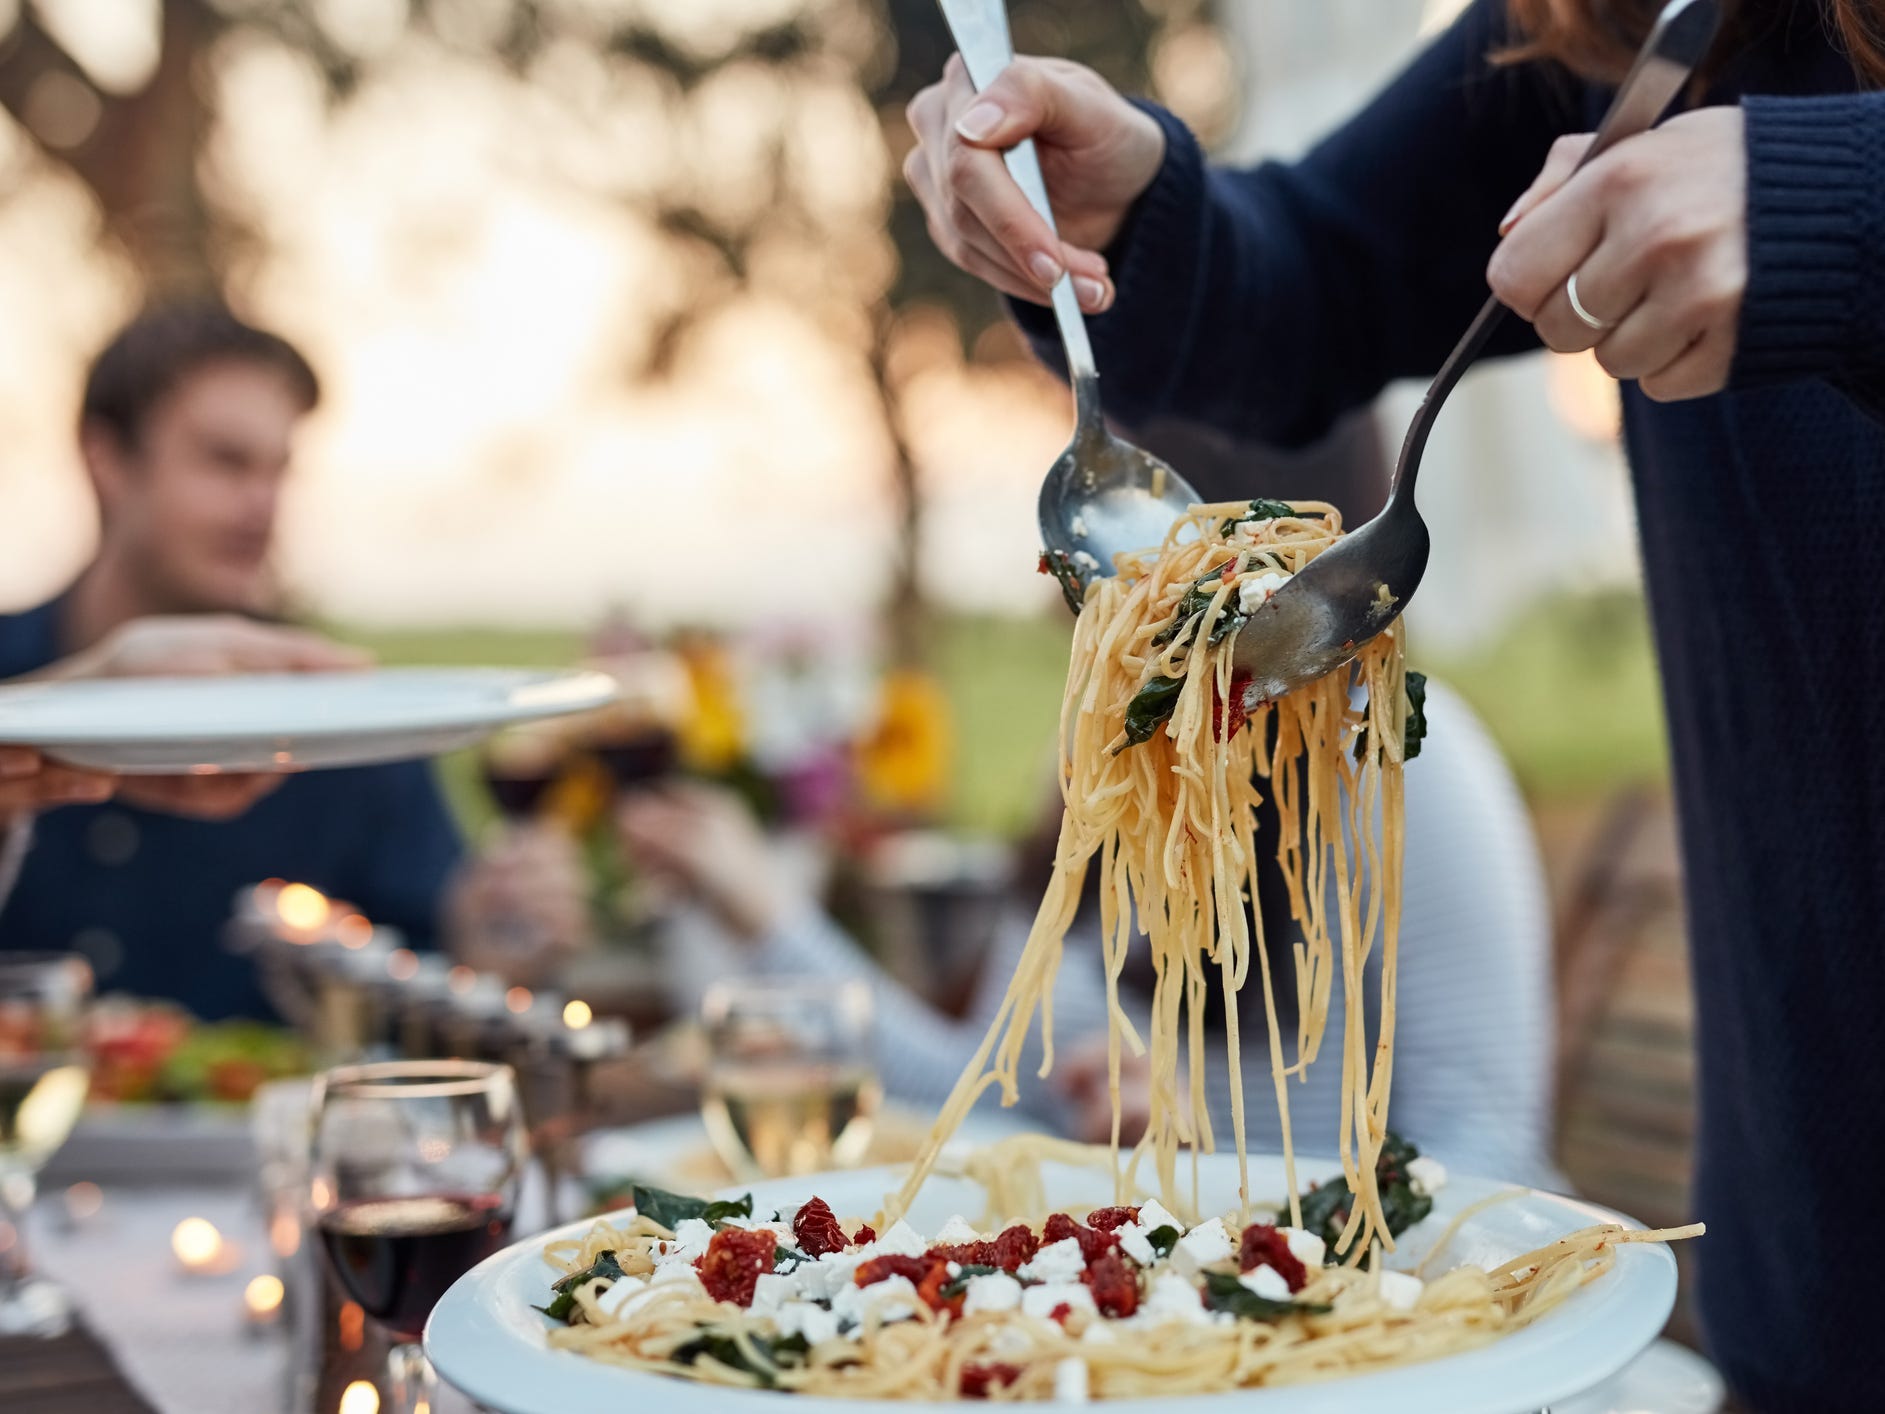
{"x": 1325, "y": 1208}
{"x": 668, "y": 1209}
{"x": 1260, "y": 509}
{"x": 785, "y": 1352}
{"x": 1163, "y": 1239}
{"x": 1059, "y": 564}
{"x": 959, "y": 1283}
{"x": 1414, "y": 729}
{"x": 1223, "y": 1292}
{"x": 1197, "y": 599}
{"x": 1151, "y": 707}
{"x": 788, "y": 1254}
{"x": 560, "y": 1307}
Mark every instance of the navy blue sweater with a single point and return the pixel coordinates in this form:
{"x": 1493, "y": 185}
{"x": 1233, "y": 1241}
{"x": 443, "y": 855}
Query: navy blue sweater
{"x": 1268, "y": 301}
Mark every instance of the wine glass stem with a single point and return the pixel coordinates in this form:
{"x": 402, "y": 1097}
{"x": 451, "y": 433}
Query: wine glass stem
{"x": 414, "y": 1385}
{"x": 16, "y": 1199}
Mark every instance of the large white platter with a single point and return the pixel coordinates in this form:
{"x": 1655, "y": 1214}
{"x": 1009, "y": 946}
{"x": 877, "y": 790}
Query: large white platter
{"x": 485, "y": 1338}
{"x": 283, "y": 721}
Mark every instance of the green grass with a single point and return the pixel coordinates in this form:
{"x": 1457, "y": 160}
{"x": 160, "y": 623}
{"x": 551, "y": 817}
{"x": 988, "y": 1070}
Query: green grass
{"x": 1569, "y": 691}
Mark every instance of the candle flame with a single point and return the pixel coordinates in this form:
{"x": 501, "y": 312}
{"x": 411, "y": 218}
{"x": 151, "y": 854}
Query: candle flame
{"x": 360, "y": 1397}
{"x": 196, "y": 1242}
{"x": 301, "y": 907}
{"x": 577, "y": 1014}
{"x": 263, "y": 1295}
{"x": 518, "y": 999}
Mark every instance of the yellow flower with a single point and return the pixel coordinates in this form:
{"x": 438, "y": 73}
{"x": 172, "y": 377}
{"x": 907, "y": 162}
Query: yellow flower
{"x": 904, "y": 761}
{"x": 713, "y": 734}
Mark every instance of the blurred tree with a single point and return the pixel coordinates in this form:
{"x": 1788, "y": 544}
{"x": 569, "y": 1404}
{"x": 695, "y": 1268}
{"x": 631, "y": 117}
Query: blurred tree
{"x": 782, "y": 122}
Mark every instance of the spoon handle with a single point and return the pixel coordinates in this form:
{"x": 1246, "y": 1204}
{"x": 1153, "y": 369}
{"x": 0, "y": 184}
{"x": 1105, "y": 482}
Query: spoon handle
{"x": 980, "y": 29}
{"x": 1681, "y": 39}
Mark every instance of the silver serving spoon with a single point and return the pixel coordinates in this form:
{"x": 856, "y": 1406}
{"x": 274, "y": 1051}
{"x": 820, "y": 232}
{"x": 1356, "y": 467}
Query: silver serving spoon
{"x": 1324, "y": 616}
{"x": 1103, "y": 496}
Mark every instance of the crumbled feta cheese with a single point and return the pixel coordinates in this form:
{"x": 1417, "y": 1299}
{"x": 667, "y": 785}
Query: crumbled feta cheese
{"x": 1206, "y": 1243}
{"x": 1057, "y": 1261}
{"x": 955, "y": 1232}
{"x": 1085, "y": 561}
{"x": 901, "y": 1241}
{"x": 1043, "y": 1300}
{"x": 771, "y": 1291}
{"x": 1079, "y": 525}
{"x": 1134, "y": 1243}
{"x": 830, "y": 1274}
{"x": 1305, "y": 1246}
{"x": 1153, "y": 1215}
{"x": 618, "y": 1293}
{"x": 993, "y": 1291}
{"x": 1070, "y": 1381}
{"x": 1400, "y": 1290}
{"x": 1255, "y": 593}
{"x": 691, "y": 1237}
{"x": 804, "y": 1318}
{"x": 1264, "y": 1280}
{"x": 1172, "y": 1297}
{"x": 892, "y": 1299}
{"x": 1099, "y": 1333}
{"x": 675, "y": 1273}
{"x": 1428, "y": 1176}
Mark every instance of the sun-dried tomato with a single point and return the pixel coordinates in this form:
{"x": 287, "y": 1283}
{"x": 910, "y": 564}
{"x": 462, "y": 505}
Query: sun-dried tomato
{"x": 890, "y": 1265}
{"x": 1014, "y": 1246}
{"x": 930, "y": 1289}
{"x": 978, "y": 1380}
{"x": 1107, "y": 1219}
{"x": 980, "y": 1253}
{"x": 1238, "y": 714}
{"x": 1060, "y": 1313}
{"x": 734, "y": 1262}
{"x": 1093, "y": 1243}
{"x": 1115, "y": 1289}
{"x": 817, "y": 1230}
{"x": 865, "y": 1233}
{"x": 1264, "y": 1244}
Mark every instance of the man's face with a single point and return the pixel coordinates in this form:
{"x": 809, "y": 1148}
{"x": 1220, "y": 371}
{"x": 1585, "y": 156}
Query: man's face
{"x": 191, "y": 507}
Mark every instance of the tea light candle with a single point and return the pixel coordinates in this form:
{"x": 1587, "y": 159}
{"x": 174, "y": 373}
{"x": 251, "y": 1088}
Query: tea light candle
{"x": 202, "y": 1250}
{"x": 261, "y": 1300}
{"x": 360, "y": 1397}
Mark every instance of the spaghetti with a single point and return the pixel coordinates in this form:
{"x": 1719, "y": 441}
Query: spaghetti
{"x": 1162, "y": 765}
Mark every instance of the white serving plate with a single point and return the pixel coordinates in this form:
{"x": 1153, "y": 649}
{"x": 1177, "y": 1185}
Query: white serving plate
{"x": 485, "y": 1338}
{"x": 284, "y": 721}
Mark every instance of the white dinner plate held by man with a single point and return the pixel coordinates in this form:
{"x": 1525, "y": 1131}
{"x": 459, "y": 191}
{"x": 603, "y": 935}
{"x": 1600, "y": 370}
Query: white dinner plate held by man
{"x": 284, "y": 721}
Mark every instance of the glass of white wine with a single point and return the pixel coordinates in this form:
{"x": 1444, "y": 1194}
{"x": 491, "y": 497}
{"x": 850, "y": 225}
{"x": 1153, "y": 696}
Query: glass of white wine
{"x": 45, "y": 1072}
{"x": 790, "y": 1088}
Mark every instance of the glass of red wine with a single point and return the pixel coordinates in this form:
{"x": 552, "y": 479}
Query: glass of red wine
{"x": 415, "y": 1166}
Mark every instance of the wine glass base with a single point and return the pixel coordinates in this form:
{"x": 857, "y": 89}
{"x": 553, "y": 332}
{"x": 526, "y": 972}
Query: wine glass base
{"x": 34, "y": 1306}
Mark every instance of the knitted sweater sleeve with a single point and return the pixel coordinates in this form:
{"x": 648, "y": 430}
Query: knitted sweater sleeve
{"x": 1815, "y": 301}
{"x": 1268, "y": 301}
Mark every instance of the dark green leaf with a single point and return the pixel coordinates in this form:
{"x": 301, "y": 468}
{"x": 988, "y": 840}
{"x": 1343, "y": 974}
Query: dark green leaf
{"x": 1260, "y": 509}
{"x": 788, "y": 1254}
{"x": 1163, "y": 1239}
{"x": 959, "y": 1283}
{"x": 660, "y": 1206}
{"x": 564, "y": 1303}
{"x": 1325, "y": 1208}
{"x": 784, "y": 1352}
{"x": 1151, "y": 707}
{"x": 1224, "y": 1292}
{"x": 1415, "y": 731}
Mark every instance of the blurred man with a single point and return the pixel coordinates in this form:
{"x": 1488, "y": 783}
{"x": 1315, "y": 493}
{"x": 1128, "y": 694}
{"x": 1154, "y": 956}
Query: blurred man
{"x": 186, "y": 431}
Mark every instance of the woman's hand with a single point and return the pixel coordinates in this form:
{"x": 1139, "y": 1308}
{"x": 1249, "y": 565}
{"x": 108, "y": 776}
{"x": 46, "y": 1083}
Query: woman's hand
{"x": 521, "y": 908}
{"x": 1098, "y": 153}
{"x": 1656, "y": 232}
{"x": 29, "y": 783}
{"x": 704, "y": 842}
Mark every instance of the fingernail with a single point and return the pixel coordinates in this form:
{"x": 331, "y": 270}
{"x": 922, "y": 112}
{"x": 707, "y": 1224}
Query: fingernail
{"x": 1046, "y": 269}
{"x": 980, "y": 122}
{"x": 1091, "y": 292}
{"x": 1511, "y": 215}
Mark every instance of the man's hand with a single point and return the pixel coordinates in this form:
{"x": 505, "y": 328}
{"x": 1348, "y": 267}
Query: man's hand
{"x": 1098, "y": 153}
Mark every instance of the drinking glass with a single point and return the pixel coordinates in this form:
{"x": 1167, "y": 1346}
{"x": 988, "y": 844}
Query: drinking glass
{"x": 790, "y": 1088}
{"x": 519, "y": 766}
{"x": 44, "y": 1075}
{"x": 414, "y": 1175}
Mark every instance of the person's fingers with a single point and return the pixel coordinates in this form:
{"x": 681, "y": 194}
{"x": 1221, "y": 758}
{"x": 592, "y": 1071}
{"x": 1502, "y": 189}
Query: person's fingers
{"x": 1610, "y": 285}
{"x": 1562, "y": 160}
{"x": 1558, "y": 235}
{"x": 1700, "y": 370}
{"x": 255, "y": 647}
{"x": 977, "y": 182}
{"x": 53, "y": 786}
{"x": 1030, "y": 97}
